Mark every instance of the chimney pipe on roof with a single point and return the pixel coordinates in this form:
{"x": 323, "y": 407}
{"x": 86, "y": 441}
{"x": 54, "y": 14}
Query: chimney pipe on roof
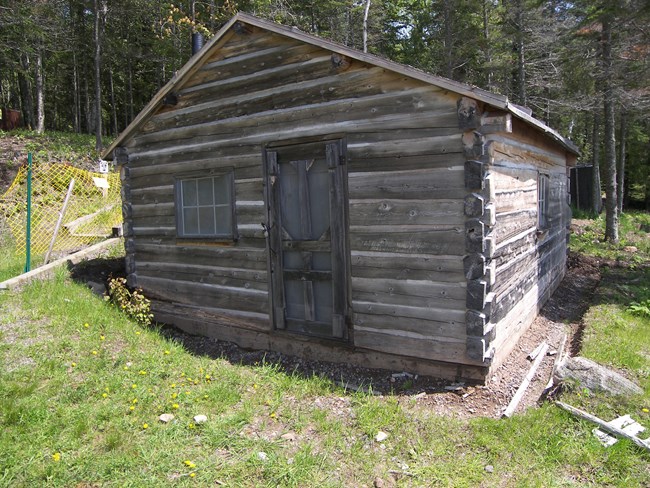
{"x": 197, "y": 42}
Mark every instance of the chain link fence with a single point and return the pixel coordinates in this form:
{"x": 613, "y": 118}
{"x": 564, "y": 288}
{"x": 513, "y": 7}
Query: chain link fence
{"x": 93, "y": 207}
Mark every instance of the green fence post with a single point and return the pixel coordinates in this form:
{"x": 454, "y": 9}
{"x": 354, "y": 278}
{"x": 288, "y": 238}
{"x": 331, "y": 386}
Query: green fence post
{"x": 28, "y": 231}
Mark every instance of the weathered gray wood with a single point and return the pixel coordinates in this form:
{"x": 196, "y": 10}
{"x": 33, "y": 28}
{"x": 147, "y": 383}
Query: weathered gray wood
{"x": 476, "y": 294}
{"x": 604, "y": 425}
{"x": 455, "y": 318}
{"x": 225, "y": 276}
{"x": 338, "y": 198}
{"x": 415, "y": 212}
{"x": 474, "y": 236}
{"x": 409, "y": 293}
{"x": 408, "y": 239}
{"x": 383, "y": 265}
{"x": 519, "y": 394}
{"x": 203, "y": 294}
{"x": 474, "y": 266}
{"x": 274, "y": 239}
{"x": 425, "y": 327}
{"x": 474, "y": 205}
{"x": 474, "y": 147}
{"x": 492, "y": 122}
{"x": 474, "y": 175}
{"x": 469, "y": 113}
{"x": 418, "y": 346}
{"x": 422, "y": 184}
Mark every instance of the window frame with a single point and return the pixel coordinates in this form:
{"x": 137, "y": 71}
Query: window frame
{"x": 543, "y": 196}
{"x": 179, "y": 206}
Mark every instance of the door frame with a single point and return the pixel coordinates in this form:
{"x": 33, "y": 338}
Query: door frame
{"x": 335, "y": 147}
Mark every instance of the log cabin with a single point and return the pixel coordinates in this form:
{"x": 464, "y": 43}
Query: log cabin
{"x": 289, "y": 193}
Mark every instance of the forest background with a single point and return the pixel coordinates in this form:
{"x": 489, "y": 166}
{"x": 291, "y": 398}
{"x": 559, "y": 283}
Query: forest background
{"x": 583, "y": 67}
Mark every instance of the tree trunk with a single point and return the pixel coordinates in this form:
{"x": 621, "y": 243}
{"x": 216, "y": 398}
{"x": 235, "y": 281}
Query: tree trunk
{"x": 521, "y": 54}
{"x": 611, "y": 209}
{"x": 488, "y": 50}
{"x": 113, "y": 107}
{"x": 365, "y": 26}
{"x": 449, "y": 39}
{"x": 77, "y": 96}
{"x": 98, "y": 81}
{"x": 26, "y": 91}
{"x": 621, "y": 163}
{"x": 40, "y": 94}
{"x": 130, "y": 88}
{"x": 595, "y": 162}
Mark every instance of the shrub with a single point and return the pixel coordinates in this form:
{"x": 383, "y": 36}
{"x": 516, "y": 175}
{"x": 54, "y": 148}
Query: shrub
{"x": 132, "y": 302}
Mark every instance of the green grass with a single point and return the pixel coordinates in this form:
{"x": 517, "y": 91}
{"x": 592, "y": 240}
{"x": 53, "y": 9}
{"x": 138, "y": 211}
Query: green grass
{"x": 11, "y": 264}
{"x": 79, "y": 382}
{"x": 53, "y": 146}
{"x": 590, "y": 239}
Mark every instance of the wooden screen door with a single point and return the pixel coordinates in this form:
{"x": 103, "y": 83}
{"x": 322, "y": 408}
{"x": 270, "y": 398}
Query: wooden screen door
{"x": 307, "y": 234}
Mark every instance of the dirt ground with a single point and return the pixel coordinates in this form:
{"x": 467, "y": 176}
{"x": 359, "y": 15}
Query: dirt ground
{"x": 561, "y": 314}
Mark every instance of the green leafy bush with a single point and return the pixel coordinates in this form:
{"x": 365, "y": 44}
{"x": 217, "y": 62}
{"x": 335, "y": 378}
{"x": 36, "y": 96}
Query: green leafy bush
{"x": 640, "y": 309}
{"x": 132, "y": 302}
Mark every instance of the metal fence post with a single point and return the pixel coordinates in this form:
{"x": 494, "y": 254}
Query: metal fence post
{"x": 28, "y": 231}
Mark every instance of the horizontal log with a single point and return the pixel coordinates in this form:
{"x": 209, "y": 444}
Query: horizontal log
{"x": 214, "y": 275}
{"x": 424, "y": 184}
{"x": 416, "y": 346}
{"x": 513, "y": 223}
{"x": 408, "y": 239}
{"x": 410, "y": 325}
{"x": 416, "y": 293}
{"x": 358, "y": 163}
{"x": 202, "y": 294}
{"x": 454, "y": 318}
{"x": 436, "y": 145}
{"x": 413, "y": 212}
{"x": 368, "y": 264}
{"x": 226, "y": 257}
{"x": 512, "y": 200}
{"x": 516, "y": 151}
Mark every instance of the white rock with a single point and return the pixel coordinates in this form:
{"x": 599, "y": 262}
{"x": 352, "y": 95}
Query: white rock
{"x": 262, "y": 456}
{"x": 166, "y": 417}
{"x": 200, "y": 419}
{"x": 381, "y": 436}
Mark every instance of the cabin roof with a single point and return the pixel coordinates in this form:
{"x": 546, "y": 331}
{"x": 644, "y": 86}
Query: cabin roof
{"x": 199, "y": 59}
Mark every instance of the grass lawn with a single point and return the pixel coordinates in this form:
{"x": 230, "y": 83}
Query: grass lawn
{"x": 83, "y": 388}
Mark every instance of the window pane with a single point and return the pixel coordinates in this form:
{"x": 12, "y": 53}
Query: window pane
{"x": 206, "y": 221}
{"x": 189, "y": 192}
{"x": 205, "y": 191}
{"x": 190, "y": 221}
{"x": 222, "y": 190}
{"x": 224, "y": 220}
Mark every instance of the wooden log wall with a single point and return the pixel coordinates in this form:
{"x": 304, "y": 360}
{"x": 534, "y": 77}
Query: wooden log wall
{"x": 406, "y": 180}
{"x": 512, "y": 265}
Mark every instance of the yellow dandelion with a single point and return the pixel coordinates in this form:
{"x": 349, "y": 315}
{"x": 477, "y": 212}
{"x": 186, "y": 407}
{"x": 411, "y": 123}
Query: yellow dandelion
{"x": 137, "y": 332}
{"x": 167, "y": 352}
{"x": 645, "y": 410}
{"x": 134, "y": 386}
{"x": 173, "y": 385}
{"x": 132, "y": 408}
{"x": 107, "y": 389}
{"x": 102, "y": 338}
{"x": 174, "y": 395}
{"x": 192, "y": 475}
{"x": 175, "y": 406}
{"x": 255, "y": 386}
{"x": 134, "y": 401}
{"x": 187, "y": 392}
{"x": 145, "y": 426}
{"x": 191, "y": 425}
{"x": 73, "y": 364}
{"x": 104, "y": 395}
{"x": 56, "y": 457}
{"x": 143, "y": 372}
{"x": 196, "y": 382}
{"x": 205, "y": 396}
{"x": 86, "y": 325}
{"x": 182, "y": 374}
{"x": 126, "y": 368}
{"x": 208, "y": 377}
{"x": 95, "y": 353}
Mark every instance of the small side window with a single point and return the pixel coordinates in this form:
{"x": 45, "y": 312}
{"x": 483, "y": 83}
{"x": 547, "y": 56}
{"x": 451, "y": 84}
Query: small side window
{"x": 205, "y": 207}
{"x": 543, "y": 190}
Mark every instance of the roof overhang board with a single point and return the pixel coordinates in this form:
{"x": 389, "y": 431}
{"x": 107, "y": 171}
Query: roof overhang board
{"x": 238, "y": 25}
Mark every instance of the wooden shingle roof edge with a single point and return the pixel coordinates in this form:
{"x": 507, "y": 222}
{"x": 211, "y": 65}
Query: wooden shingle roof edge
{"x": 196, "y": 61}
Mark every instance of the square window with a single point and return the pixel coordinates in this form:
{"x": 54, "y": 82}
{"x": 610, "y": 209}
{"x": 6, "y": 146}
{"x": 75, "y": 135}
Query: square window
{"x": 205, "y": 207}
